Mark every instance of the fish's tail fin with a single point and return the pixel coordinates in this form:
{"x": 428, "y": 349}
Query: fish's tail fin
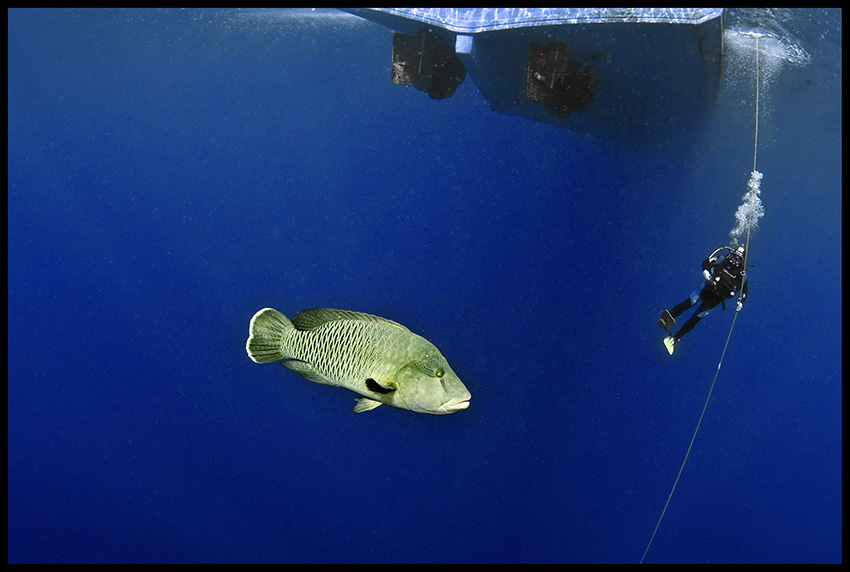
{"x": 266, "y": 333}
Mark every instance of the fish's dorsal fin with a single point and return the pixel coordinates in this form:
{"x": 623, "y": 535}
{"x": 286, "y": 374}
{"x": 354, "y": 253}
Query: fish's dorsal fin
{"x": 315, "y": 317}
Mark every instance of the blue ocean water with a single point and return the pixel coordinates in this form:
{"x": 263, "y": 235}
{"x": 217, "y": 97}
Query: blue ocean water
{"x": 172, "y": 172}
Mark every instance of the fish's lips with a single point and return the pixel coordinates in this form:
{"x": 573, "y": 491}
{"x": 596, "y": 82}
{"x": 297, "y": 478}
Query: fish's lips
{"x": 456, "y": 404}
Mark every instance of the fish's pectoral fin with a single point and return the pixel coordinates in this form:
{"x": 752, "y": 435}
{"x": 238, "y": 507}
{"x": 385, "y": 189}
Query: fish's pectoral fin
{"x": 378, "y": 387}
{"x": 365, "y": 404}
{"x": 306, "y": 370}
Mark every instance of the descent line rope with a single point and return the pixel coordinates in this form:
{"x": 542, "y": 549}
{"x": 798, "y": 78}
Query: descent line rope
{"x": 728, "y": 337}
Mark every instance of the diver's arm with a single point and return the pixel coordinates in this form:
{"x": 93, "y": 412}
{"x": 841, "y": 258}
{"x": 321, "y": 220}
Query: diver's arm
{"x": 706, "y": 269}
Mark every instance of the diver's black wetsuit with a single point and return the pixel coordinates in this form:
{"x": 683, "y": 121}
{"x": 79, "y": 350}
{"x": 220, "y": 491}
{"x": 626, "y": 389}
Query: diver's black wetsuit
{"x": 710, "y": 298}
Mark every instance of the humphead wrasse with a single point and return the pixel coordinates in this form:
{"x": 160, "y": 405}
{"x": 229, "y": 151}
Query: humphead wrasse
{"x": 380, "y": 359}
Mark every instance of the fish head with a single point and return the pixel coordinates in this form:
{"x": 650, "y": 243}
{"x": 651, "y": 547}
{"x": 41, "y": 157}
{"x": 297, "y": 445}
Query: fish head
{"x": 427, "y": 384}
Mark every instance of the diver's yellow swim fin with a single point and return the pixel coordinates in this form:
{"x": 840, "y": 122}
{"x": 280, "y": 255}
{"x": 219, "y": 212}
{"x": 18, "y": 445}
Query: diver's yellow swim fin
{"x": 669, "y": 343}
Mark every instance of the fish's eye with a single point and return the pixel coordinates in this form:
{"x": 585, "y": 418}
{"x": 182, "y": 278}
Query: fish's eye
{"x": 439, "y": 372}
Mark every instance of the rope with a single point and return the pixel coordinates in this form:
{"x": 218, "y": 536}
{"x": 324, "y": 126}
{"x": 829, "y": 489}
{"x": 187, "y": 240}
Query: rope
{"x": 756, "y": 145}
{"x": 728, "y": 337}
{"x": 690, "y": 446}
{"x": 755, "y": 154}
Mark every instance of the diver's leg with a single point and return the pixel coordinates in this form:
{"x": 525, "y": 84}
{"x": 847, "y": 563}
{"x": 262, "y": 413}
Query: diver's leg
{"x": 686, "y": 303}
{"x": 703, "y": 310}
{"x": 687, "y": 326}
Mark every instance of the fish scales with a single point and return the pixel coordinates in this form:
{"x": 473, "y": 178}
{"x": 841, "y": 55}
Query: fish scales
{"x": 340, "y": 350}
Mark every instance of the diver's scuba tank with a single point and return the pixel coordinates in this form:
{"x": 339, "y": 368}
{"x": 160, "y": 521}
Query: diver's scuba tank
{"x": 724, "y": 276}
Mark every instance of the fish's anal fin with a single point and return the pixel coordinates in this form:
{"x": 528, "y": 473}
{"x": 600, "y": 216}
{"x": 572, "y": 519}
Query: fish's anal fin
{"x": 365, "y": 404}
{"x": 307, "y": 371}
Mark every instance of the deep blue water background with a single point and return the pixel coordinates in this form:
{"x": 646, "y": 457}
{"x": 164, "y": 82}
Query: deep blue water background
{"x": 172, "y": 172}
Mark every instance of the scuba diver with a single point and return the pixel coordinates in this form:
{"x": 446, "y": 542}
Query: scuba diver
{"x": 723, "y": 280}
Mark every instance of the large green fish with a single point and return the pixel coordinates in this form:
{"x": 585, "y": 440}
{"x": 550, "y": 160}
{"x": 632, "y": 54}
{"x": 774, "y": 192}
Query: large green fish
{"x": 381, "y": 360}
